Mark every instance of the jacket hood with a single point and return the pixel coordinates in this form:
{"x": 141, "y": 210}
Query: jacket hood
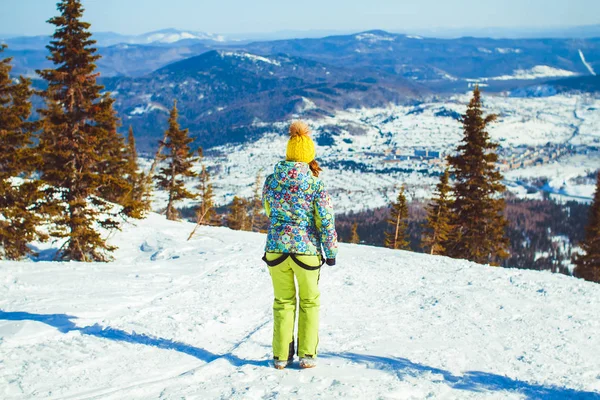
{"x": 287, "y": 172}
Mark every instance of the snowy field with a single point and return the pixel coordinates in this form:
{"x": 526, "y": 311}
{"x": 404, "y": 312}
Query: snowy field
{"x": 172, "y": 319}
{"x": 563, "y": 176}
{"x": 363, "y": 136}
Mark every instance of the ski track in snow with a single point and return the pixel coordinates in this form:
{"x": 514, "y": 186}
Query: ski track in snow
{"x": 587, "y": 65}
{"x": 177, "y": 319}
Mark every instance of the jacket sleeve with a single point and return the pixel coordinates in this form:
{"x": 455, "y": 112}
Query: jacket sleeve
{"x": 265, "y": 197}
{"x": 325, "y": 221}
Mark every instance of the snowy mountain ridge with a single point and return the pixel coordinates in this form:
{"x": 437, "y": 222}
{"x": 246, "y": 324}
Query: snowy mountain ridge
{"x": 171, "y": 36}
{"x": 368, "y": 53}
{"x": 252, "y": 57}
{"x": 170, "y": 318}
{"x": 105, "y": 39}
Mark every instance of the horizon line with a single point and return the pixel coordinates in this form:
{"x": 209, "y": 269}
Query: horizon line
{"x": 6, "y": 35}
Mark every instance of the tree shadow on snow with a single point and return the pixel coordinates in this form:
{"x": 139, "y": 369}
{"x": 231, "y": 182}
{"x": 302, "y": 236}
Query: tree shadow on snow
{"x": 64, "y": 324}
{"x": 474, "y": 381}
{"x": 48, "y": 254}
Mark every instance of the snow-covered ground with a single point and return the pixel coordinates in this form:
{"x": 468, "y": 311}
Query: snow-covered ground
{"x": 175, "y": 319}
{"x": 367, "y": 136}
{"x": 564, "y": 176}
{"x": 249, "y": 56}
{"x": 537, "y": 72}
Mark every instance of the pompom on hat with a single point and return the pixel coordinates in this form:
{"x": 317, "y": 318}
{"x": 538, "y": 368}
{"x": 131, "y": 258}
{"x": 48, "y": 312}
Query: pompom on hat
{"x": 300, "y": 147}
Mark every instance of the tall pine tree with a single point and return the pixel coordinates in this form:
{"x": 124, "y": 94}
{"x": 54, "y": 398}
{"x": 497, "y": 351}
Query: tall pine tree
{"x": 355, "y": 239}
{"x": 258, "y": 218}
{"x": 19, "y": 199}
{"x": 82, "y": 153}
{"x": 477, "y": 212}
{"x": 136, "y": 201}
{"x": 397, "y": 238}
{"x": 437, "y": 227}
{"x": 239, "y": 218}
{"x": 205, "y": 211}
{"x": 588, "y": 263}
{"x": 179, "y": 159}
{"x": 150, "y": 176}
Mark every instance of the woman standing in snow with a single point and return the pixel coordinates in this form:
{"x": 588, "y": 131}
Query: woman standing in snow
{"x": 301, "y": 222}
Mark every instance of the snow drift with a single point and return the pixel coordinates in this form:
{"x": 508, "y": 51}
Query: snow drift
{"x": 171, "y": 318}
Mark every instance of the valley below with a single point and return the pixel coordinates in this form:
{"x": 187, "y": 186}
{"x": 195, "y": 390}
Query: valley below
{"x": 547, "y": 145}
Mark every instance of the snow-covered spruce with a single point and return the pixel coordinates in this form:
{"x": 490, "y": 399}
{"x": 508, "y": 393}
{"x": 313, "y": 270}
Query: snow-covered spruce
{"x": 173, "y": 318}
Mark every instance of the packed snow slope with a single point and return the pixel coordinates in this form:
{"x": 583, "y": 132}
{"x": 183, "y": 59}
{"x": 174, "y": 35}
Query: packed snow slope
{"x": 175, "y": 319}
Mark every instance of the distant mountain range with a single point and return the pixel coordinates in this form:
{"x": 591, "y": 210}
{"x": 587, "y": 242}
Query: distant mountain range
{"x": 227, "y": 91}
{"x": 566, "y": 32}
{"x": 227, "y": 96}
{"x": 413, "y": 57}
{"x": 427, "y": 59}
{"x": 169, "y": 36}
{"x": 106, "y": 39}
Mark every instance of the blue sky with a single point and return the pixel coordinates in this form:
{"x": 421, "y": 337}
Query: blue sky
{"x": 27, "y": 17}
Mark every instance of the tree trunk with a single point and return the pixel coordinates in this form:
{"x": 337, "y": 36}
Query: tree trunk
{"x": 171, "y": 213}
{"x": 397, "y": 229}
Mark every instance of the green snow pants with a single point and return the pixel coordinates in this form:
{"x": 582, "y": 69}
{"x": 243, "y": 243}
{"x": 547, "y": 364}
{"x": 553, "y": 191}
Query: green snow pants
{"x": 284, "y": 305}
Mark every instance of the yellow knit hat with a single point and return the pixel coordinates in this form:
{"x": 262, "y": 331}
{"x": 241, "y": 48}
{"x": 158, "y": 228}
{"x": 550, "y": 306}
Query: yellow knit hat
{"x": 300, "y": 146}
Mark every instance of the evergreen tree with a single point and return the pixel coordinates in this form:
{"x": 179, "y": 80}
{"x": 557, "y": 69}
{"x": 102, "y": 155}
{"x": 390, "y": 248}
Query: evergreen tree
{"x": 112, "y": 167}
{"x": 588, "y": 263}
{"x": 238, "y": 218}
{"x": 438, "y": 218}
{"x": 149, "y": 177}
{"x": 477, "y": 211}
{"x": 82, "y": 153}
{"x": 258, "y": 218}
{"x": 180, "y": 159}
{"x": 205, "y": 212}
{"x": 206, "y": 209}
{"x": 397, "y": 237}
{"x": 136, "y": 201}
{"x": 19, "y": 200}
{"x": 355, "y": 238}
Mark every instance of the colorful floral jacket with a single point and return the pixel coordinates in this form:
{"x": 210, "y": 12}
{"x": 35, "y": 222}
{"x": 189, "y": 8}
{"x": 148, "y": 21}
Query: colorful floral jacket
{"x": 300, "y": 212}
